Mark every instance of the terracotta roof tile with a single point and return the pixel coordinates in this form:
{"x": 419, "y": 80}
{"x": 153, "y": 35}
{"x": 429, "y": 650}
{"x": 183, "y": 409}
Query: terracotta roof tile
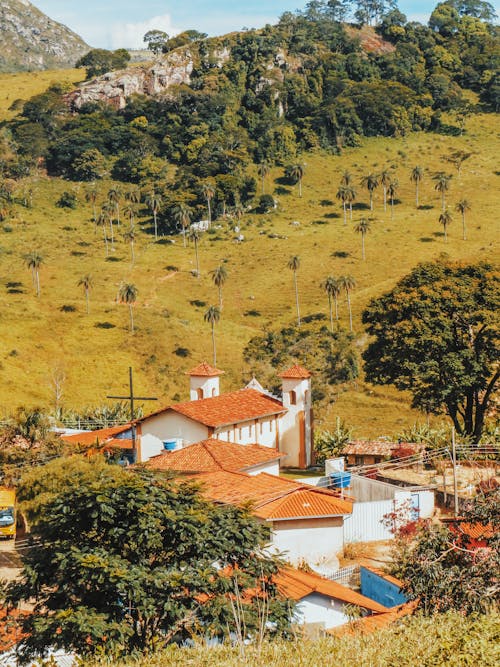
{"x": 10, "y": 633}
{"x": 295, "y": 372}
{"x": 376, "y": 622}
{"x": 98, "y": 436}
{"x": 376, "y": 447}
{"x": 231, "y": 408}
{"x": 213, "y": 455}
{"x": 204, "y": 370}
{"x": 272, "y": 498}
{"x": 296, "y": 584}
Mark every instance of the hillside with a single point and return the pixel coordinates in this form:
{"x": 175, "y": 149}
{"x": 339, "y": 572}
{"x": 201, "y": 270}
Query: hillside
{"x": 32, "y": 41}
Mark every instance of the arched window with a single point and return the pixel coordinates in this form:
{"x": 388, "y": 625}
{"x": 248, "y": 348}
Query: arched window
{"x": 306, "y": 396}
{"x": 199, "y": 393}
{"x": 293, "y": 398}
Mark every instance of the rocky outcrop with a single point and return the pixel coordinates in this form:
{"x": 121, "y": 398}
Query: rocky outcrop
{"x": 30, "y": 40}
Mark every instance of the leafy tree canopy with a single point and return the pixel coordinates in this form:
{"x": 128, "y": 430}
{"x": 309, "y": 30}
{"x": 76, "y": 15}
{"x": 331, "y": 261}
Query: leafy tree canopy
{"x": 436, "y": 335}
{"x": 100, "y": 61}
{"x": 124, "y": 561}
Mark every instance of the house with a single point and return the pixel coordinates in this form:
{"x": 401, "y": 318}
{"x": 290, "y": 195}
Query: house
{"x": 111, "y": 439}
{"x": 381, "y": 587}
{"x": 323, "y": 604}
{"x": 246, "y": 417}
{"x": 371, "y": 452}
{"x": 306, "y": 523}
{"x": 369, "y": 624}
{"x": 213, "y": 455}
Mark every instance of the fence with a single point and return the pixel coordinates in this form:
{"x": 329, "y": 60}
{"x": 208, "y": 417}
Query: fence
{"x": 364, "y": 524}
{"x": 346, "y": 575}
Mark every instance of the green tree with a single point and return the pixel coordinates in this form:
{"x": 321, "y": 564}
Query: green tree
{"x": 343, "y": 194}
{"x": 392, "y": 190}
{"x": 208, "y": 191}
{"x": 86, "y": 283}
{"x": 442, "y": 186}
{"x": 130, "y": 210}
{"x": 385, "y": 178}
{"x": 91, "y": 196}
{"x": 370, "y": 182}
{"x": 457, "y": 158}
{"x": 294, "y": 265}
{"x": 445, "y": 219}
{"x": 114, "y": 198}
{"x": 109, "y": 210}
{"x": 346, "y": 179}
{"x": 34, "y": 261}
{"x": 212, "y": 316}
{"x": 348, "y": 283}
{"x": 128, "y": 294}
{"x": 416, "y": 176}
{"x": 89, "y": 165}
{"x": 332, "y": 287}
{"x": 436, "y": 336}
{"x": 219, "y": 277}
{"x": 263, "y": 171}
{"x": 100, "y": 61}
{"x": 154, "y": 202}
{"x": 295, "y": 173}
{"x": 195, "y": 236}
{"x": 330, "y": 444}
{"x": 363, "y": 227}
{"x": 130, "y": 236}
{"x": 155, "y": 40}
{"x": 462, "y": 207}
{"x": 181, "y": 213}
{"x": 125, "y": 563}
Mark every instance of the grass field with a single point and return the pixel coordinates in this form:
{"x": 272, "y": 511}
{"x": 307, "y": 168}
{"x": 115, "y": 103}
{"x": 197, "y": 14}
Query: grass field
{"x": 43, "y": 336}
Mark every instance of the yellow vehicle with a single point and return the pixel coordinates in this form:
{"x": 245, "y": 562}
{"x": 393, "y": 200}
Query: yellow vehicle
{"x": 7, "y": 513}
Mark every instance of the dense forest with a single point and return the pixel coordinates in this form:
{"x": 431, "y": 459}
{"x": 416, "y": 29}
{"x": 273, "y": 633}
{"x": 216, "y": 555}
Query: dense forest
{"x": 308, "y": 82}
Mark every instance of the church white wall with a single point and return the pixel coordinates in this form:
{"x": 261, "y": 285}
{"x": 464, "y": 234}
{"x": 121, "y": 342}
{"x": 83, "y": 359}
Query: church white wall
{"x": 168, "y": 426}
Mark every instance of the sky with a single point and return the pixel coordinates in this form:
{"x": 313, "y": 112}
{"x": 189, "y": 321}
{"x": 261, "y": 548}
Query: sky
{"x": 113, "y": 24}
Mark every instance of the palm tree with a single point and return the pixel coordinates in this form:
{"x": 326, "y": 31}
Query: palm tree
{"x": 154, "y": 202}
{"x": 101, "y": 222}
{"x": 385, "y": 178}
{"x": 133, "y": 196}
{"x": 114, "y": 196}
{"x": 445, "y": 219}
{"x": 238, "y": 211}
{"x": 346, "y": 179}
{"x": 296, "y": 173}
{"x": 343, "y": 195}
{"x": 91, "y": 197}
{"x": 194, "y": 235}
{"x": 362, "y": 228}
{"x": 351, "y": 196}
{"x": 33, "y": 261}
{"x": 87, "y": 284}
{"x": 109, "y": 209}
{"x": 128, "y": 294}
{"x": 417, "y": 174}
{"x": 208, "y": 191}
{"x": 370, "y": 181}
{"x": 219, "y": 277}
{"x": 130, "y": 210}
{"x": 442, "y": 186}
{"x": 263, "y": 171}
{"x": 348, "y": 283}
{"x": 130, "y": 236}
{"x": 462, "y": 207}
{"x": 332, "y": 287}
{"x": 392, "y": 191}
{"x": 294, "y": 265}
{"x": 212, "y": 316}
{"x": 181, "y": 213}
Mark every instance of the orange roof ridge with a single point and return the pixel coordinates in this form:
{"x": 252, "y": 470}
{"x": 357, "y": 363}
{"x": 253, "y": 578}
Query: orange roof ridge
{"x": 295, "y": 372}
{"x": 204, "y": 370}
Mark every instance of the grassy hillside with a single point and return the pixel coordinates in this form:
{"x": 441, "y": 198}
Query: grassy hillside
{"x": 53, "y": 333}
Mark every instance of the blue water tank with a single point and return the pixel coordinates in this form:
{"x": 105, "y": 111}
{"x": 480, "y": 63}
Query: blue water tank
{"x": 170, "y": 445}
{"x": 341, "y": 479}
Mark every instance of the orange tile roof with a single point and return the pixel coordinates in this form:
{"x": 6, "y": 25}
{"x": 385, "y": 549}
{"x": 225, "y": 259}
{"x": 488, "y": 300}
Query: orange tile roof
{"x": 272, "y": 498}
{"x": 376, "y": 447}
{"x": 10, "y": 632}
{"x": 204, "y": 370}
{"x": 476, "y": 531}
{"x": 231, "y": 408}
{"x": 296, "y": 584}
{"x": 384, "y": 575}
{"x": 375, "y": 622}
{"x": 98, "y": 436}
{"x": 295, "y": 372}
{"x": 212, "y": 455}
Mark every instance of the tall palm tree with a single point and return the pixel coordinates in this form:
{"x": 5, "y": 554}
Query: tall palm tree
{"x": 154, "y": 202}
{"x": 87, "y": 284}
{"x": 348, "y": 283}
{"x": 392, "y": 190}
{"x": 114, "y": 197}
{"x": 208, "y": 191}
{"x": 219, "y": 277}
{"x": 263, "y": 170}
{"x": 332, "y": 287}
{"x": 91, "y": 197}
{"x": 417, "y": 174}
{"x": 294, "y": 265}
{"x": 296, "y": 173}
{"x": 128, "y": 294}
{"x": 442, "y": 186}
{"x": 346, "y": 178}
{"x": 130, "y": 236}
{"x": 212, "y": 316}
{"x": 343, "y": 195}
{"x": 238, "y": 211}
{"x": 133, "y": 195}
{"x": 351, "y": 196}
{"x": 445, "y": 219}
{"x": 194, "y": 236}
{"x": 101, "y": 222}
{"x": 33, "y": 261}
{"x": 181, "y": 213}
{"x": 108, "y": 208}
{"x": 130, "y": 210}
{"x": 370, "y": 181}
{"x": 363, "y": 227}
{"x": 385, "y": 178}
{"x": 462, "y": 207}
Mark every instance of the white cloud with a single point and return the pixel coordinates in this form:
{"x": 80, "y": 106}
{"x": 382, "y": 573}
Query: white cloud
{"x": 130, "y": 35}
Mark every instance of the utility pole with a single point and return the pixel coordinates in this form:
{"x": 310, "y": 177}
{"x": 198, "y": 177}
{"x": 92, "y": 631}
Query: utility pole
{"x": 454, "y": 461}
{"x": 133, "y": 398}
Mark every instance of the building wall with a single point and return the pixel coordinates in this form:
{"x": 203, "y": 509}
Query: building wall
{"x": 257, "y": 431}
{"x": 316, "y": 608}
{"x": 272, "y": 468}
{"x": 310, "y": 540}
{"x": 168, "y": 425}
{"x": 379, "y": 589}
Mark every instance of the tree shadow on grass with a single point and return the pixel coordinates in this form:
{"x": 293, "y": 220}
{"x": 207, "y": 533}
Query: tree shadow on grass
{"x": 425, "y": 207}
{"x": 326, "y": 202}
{"x": 282, "y": 191}
{"x": 426, "y": 239}
{"x": 332, "y": 216}
{"x": 360, "y": 206}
